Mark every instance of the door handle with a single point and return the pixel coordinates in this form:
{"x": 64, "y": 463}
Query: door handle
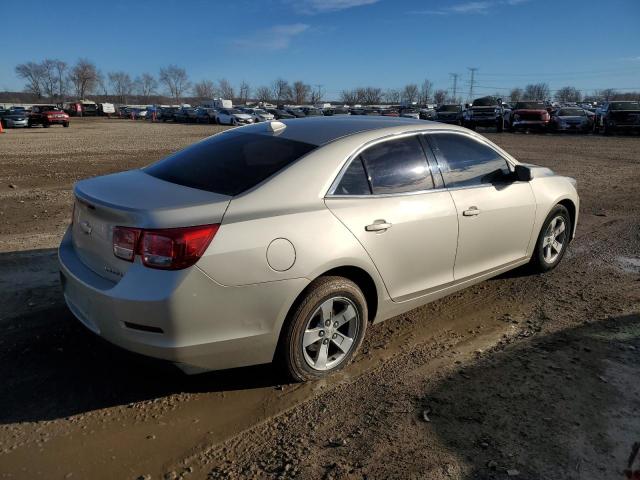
{"x": 378, "y": 226}
{"x": 472, "y": 211}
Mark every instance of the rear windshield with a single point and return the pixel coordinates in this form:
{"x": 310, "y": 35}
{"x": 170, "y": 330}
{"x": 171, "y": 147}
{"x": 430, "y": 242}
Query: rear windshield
{"x": 530, "y": 106}
{"x": 229, "y": 163}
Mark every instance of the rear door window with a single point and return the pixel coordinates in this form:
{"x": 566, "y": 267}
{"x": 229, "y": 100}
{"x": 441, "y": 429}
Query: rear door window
{"x": 397, "y": 166}
{"x": 229, "y": 163}
{"x": 467, "y": 162}
{"x": 354, "y": 180}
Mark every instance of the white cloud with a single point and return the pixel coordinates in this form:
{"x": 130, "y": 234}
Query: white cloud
{"x": 278, "y": 37}
{"x": 470, "y": 8}
{"x": 323, "y": 6}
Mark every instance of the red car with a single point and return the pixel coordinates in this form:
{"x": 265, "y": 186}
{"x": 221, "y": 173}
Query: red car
{"x": 530, "y": 115}
{"x": 48, "y": 115}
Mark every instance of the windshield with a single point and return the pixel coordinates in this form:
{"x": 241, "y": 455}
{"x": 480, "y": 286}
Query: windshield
{"x": 229, "y": 163}
{"x": 449, "y": 108}
{"x": 259, "y": 112}
{"x": 530, "y": 106}
{"x": 624, "y": 106}
{"x": 485, "y": 102}
{"x": 312, "y": 112}
{"x": 235, "y": 111}
{"x": 571, "y": 112}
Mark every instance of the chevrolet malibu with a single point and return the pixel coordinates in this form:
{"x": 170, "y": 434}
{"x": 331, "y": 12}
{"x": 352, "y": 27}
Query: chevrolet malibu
{"x": 286, "y": 240}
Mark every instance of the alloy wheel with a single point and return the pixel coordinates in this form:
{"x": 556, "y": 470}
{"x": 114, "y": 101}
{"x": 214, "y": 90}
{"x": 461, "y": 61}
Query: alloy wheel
{"x": 554, "y": 239}
{"x": 330, "y": 333}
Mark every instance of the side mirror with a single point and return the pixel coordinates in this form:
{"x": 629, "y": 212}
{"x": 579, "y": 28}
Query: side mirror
{"x": 523, "y": 173}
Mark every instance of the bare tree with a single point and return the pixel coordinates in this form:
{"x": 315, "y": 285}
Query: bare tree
{"x": 121, "y": 85}
{"x": 426, "y": 92}
{"x": 244, "y": 92}
{"x": 515, "y": 95}
{"x": 392, "y": 95}
{"x": 205, "y": 89}
{"x": 300, "y": 92}
{"x": 146, "y": 85}
{"x": 61, "y": 72}
{"x": 316, "y": 95}
{"x": 349, "y": 97}
{"x": 102, "y": 84}
{"x": 263, "y": 94}
{"x": 606, "y": 94}
{"x": 84, "y": 77}
{"x": 410, "y": 93}
{"x": 568, "y": 94}
{"x": 176, "y": 81}
{"x": 372, "y": 95}
{"x": 225, "y": 89}
{"x": 281, "y": 90}
{"x": 32, "y": 73}
{"x": 440, "y": 96}
{"x": 49, "y": 78}
{"x": 536, "y": 91}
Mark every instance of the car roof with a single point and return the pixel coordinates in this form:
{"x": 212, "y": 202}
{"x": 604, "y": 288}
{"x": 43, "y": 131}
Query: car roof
{"x": 322, "y": 130}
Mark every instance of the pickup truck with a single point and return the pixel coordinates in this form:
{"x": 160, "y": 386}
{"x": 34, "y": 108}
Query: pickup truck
{"x": 529, "y": 115}
{"x": 617, "y": 116}
{"x": 484, "y": 112}
{"x": 48, "y": 115}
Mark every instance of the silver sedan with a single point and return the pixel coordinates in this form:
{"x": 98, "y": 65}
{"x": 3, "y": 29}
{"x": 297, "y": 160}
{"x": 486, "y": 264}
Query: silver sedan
{"x": 285, "y": 240}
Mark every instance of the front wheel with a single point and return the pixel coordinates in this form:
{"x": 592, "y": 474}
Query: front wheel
{"x": 553, "y": 240}
{"x": 325, "y": 329}
{"x": 46, "y": 125}
{"x": 65, "y": 124}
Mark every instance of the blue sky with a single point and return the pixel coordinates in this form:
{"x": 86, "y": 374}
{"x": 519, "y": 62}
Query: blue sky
{"x": 337, "y": 43}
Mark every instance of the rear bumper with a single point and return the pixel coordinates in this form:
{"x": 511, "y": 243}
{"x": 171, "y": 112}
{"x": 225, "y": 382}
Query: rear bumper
{"x": 181, "y": 316}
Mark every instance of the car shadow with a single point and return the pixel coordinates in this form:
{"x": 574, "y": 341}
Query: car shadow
{"x": 52, "y": 367}
{"x": 557, "y": 406}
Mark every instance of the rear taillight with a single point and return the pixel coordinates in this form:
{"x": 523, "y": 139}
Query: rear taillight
{"x": 169, "y": 249}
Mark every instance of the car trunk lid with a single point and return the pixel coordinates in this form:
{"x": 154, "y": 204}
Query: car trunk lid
{"x": 134, "y": 199}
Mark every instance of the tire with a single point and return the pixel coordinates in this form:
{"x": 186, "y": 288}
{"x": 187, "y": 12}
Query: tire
{"x": 326, "y": 298}
{"x": 65, "y": 124}
{"x": 46, "y": 124}
{"x": 546, "y": 256}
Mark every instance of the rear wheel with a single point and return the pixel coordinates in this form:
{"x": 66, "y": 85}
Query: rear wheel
{"x": 552, "y": 240}
{"x": 325, "y": 329}
{"x": 65, "y": 124}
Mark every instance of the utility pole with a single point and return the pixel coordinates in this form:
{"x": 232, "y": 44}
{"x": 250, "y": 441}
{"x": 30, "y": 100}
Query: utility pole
{"x": 319, "y": 91}
{"x": 473, "y": 71}
{"x": 455, "y": 86}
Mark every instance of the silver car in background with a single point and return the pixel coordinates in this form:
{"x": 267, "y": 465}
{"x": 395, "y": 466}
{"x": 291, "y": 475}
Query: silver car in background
{"x": 285, "y": 240}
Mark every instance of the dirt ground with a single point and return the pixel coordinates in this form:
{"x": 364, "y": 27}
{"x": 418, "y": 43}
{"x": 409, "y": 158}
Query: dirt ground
{"x": 524, "y": 376}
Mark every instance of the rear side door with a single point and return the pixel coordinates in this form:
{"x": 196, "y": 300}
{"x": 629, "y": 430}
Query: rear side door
{"x": 389, "y": 199}
{"x": 495, "y": 212}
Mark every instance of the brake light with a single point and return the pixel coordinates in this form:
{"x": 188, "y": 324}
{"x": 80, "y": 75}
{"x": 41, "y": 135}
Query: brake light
{"x": 169, "y": 249}
{"x": 124, "y": 242}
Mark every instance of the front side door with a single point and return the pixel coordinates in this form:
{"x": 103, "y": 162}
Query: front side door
{"x": 495, "y": 212}
{"x": 386, "y": 198}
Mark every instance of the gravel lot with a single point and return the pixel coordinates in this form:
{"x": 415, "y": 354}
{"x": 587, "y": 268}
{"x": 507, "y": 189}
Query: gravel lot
{"x": 524, "y": 376}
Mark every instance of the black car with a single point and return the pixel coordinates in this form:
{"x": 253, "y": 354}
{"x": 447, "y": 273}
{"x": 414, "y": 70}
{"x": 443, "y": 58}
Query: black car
{"x": 450, "y": 113}
{"x": 185, "y": 114}
{"x": 204, "y": 115}
{"x": 336, "y": 111}
{"x": 280, "y": 114}
{"x": 296, "y": 112}
{"x": 312, "y": 112}
{"x": 166, "y": 113}
{"x": 485, "y": 112}
{"x": 618, "y": 116}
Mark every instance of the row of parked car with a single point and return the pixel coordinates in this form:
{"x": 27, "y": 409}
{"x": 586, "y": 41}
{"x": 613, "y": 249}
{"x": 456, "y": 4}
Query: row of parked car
{"x": 607, "y": 118}
{"x": 45, "y": 115}
{"x": 482, "y": 112}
